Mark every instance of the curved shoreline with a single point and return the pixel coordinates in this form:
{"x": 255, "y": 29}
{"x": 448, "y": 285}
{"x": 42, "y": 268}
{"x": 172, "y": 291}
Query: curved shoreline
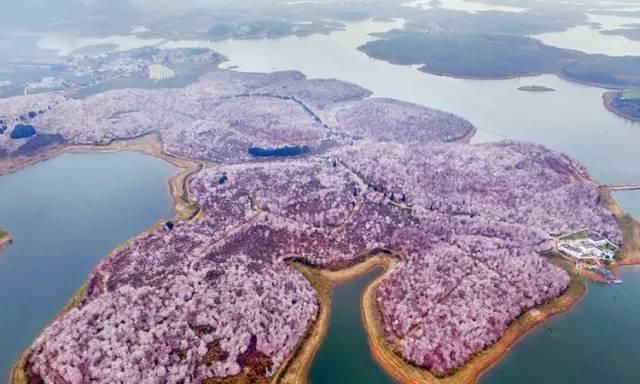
{"x": 405, "y": 372}
{"x": 184, "y": 208}
{"x": 296, "y": 367}
{"x": 296, "y": 371}
{"x": 607, "y": 100}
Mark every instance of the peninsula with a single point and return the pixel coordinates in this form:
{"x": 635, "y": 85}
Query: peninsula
{"x": 290, "y": 185}
{"x": 625, "y": 104}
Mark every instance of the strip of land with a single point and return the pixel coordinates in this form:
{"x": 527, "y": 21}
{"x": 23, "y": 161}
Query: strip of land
{"x": 535, "y": 88}
{"x": 5, "y": 239}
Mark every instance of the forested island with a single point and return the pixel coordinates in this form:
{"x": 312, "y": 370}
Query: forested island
{"x": 498, "y": 45}
{"x": 496, "y": 56}
{"x": 220, "y": 295}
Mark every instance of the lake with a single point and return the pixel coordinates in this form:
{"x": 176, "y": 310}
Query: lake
{"x": 629, "y": 201}
{"x": 590, "y": 40}
{"x": 594, "y": 343}
{"x": 587, "y": 345}
{"x": 65, "y": 215}
{"x": 591, "y": 344}
{"x": 571, "y": 120}
{"x": 344, "y": 356}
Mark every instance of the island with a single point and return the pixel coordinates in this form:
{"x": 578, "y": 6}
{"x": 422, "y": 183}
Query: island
{"x": 535, "y": 88}
{"x": 625, "y": 104}
{"x": 5, "y": 239}
{"x": 498, "y": 45}
{"x": 290, "y": 185}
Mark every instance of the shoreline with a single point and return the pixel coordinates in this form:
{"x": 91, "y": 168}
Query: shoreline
{"x": 630, "y": 230}
{"x": 472, "y": 371}
{"x": 296, "y": 367}
{"x": 148, "y": 144}
{"x": 5, "y": 240}
{"x": 296, "y": 370}
{"x": 183, "y": 209}
{"x": 607, "y": 100}
{"x": 422, "y": 67}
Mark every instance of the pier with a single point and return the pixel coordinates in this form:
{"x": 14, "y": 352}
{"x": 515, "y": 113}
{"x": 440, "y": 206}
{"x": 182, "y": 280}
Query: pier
{"x": 621, "y": 187}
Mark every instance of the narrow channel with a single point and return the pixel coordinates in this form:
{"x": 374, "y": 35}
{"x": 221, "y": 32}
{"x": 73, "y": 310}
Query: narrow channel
{"x": 344, "y": 356}
{"x": 65, "y": 215}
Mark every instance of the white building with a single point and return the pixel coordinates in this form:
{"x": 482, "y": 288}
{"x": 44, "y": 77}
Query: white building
{"x": 587, "y": 245}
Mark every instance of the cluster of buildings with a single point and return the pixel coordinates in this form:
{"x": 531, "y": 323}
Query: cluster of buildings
{"x": 160, "y": 72}
{"x": 586, "y": 245}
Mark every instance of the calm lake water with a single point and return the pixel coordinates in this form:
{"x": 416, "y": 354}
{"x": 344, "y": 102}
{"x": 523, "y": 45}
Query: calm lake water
{"x": 630, "y": 201}
{"x": 344, "y": 356}
{"x": 594, "y": 343}
{"x": 65, "y": 215}
{"x": 591, "y": 344}
{"x": 571, "y": 120}
{"x": 588, "y": 39}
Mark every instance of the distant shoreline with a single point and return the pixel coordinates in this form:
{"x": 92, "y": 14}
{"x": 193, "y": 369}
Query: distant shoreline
{"x": 406, "y": 372}
{"x": 296, "y": 368}
{"x": 608, "y": 98}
